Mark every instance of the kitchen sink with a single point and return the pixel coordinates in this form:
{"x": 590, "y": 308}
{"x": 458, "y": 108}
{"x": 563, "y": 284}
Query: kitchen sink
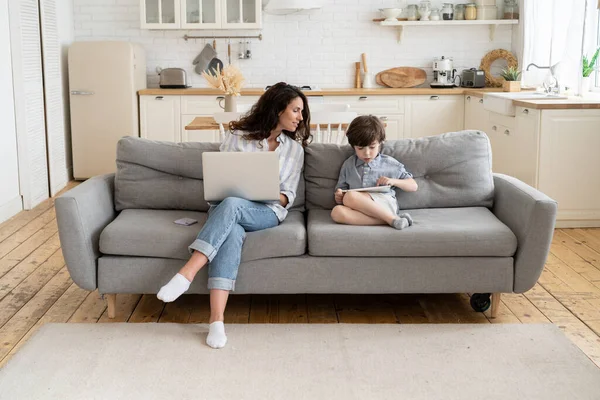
{"x": 502, "y": 103}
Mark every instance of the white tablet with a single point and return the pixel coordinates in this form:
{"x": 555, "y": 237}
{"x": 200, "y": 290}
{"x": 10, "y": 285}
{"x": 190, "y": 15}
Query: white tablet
{"x": 374, "y": 189}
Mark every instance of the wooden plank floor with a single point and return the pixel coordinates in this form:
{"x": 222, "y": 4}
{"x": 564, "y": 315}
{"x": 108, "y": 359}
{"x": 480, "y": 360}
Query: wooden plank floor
{"x": 35, "y": 288}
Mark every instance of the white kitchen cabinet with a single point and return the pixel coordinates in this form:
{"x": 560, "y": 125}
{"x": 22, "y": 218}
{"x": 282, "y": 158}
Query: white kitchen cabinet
{"x": 160, "y": 118}
{"x": 432, "y": 115}
{"x": 160, "y": 14}
{"x": 569, "y": 166}
{"x": 476, "y": 116}
{"x": 524, "y": 143}
{"x": 389, "y": 108}
{"x": 201, "y": 14}
{"x": 241, "y": 14}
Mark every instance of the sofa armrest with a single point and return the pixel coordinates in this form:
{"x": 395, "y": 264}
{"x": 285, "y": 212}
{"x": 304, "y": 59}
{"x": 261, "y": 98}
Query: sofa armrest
{"x": 531, "y": 215}
{"x": 82, "y": 213}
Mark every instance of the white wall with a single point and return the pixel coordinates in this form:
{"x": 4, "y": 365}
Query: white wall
{"x": 316, "y": 47}
{"x": 10, "y": 199}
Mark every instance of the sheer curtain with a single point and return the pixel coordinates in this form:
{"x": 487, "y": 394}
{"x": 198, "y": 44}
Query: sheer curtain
{"x": 556, "y": 32}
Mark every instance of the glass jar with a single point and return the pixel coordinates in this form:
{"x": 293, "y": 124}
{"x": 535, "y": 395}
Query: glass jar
{"x": 470, "y": 11}
{"x": 511, "y": 9}
{"x": 459, "y": 12}
{"x": 448, "y": 11}
{"x": 435, "y": 15}
{"x": 424, "y": 10}
{"x": 411, "y": 12}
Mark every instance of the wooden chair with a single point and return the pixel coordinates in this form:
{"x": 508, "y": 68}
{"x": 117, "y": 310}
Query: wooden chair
{"x": 326, "y": 126}
{"x": 330, "y": 126}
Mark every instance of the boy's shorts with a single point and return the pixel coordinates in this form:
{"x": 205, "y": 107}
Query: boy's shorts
{"x": 386, "y": 201}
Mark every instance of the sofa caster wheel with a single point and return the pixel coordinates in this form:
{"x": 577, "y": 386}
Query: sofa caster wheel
{"x": 480, "y": 301}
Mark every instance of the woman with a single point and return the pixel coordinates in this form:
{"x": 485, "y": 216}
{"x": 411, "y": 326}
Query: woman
{"x": 280, "y": 122}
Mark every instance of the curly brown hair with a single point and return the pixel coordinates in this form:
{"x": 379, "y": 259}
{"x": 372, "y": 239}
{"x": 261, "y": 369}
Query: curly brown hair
{"x": 364, "y": 130}
{"x": 264, "y": 115}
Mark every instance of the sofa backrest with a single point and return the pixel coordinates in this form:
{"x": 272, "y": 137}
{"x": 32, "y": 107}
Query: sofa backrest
{"x": 452, "y": 170}
{"x": 165, "y": 175}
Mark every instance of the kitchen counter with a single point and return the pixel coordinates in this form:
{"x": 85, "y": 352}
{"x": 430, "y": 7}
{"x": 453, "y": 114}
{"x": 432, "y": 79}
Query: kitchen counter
{"x": 572, "y": 103}
{"x": 325, "y": 92}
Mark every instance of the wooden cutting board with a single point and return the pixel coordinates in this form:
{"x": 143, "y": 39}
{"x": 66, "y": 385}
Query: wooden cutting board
{"x": 401, "y": 77}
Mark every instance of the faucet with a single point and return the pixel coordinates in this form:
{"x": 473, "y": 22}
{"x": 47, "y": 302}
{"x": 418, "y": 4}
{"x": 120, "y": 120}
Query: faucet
{"x": 549, "y": 88}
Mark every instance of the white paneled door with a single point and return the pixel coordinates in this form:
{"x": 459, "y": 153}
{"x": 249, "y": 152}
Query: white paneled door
{"x": 10, "y": 198}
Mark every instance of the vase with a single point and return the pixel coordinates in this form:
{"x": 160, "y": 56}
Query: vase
{"x": 511, "y": 86}
{"x": 585, "y": 85}
{"x": 230, "y": 103}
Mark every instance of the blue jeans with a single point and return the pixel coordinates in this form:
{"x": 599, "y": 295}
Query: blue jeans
{"x": 222, "y": 237}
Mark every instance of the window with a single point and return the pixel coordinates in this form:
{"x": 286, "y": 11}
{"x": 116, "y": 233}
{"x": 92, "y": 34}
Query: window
{"x": 597, "y": 79}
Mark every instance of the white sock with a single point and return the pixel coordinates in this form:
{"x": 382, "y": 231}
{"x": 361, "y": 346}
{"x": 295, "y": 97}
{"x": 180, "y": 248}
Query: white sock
{"x": 216, "y": 335}
{"x": 400, "y": 223}
{"x": 175, "y": 288}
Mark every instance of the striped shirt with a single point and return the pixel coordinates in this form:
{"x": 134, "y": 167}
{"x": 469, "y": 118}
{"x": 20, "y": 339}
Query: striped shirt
{"x": 291, "y": 161}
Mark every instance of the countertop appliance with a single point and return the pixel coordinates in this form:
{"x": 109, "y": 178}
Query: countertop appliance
{"x": 472, "y": 78}
{"x": 444, "y": 74}
{"x": 173, "y": 78}
{"x": 104, "y": 78}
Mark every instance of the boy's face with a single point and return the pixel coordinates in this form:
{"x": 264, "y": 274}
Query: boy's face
{"x": 367, "y": 154}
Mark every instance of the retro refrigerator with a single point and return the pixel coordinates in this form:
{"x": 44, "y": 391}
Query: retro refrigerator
{"x": 104, "y": 78}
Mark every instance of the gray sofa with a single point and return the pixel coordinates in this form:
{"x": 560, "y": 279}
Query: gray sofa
{"x": 474, "y": 231}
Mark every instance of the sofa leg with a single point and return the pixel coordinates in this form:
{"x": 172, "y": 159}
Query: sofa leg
{"x": 112, "y": 304}
{"x": 495, "y": 304}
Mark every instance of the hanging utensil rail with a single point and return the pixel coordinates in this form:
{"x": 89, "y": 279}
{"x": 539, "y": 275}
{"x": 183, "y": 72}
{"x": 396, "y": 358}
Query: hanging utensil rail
{"x": 186, "y": 37}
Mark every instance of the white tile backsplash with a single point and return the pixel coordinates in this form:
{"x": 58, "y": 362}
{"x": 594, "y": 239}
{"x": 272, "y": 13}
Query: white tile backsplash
{"x": 317, "y": 47}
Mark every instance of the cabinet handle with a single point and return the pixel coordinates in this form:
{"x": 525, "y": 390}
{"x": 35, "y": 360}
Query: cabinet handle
{"x": 507, "y": 132}
{"x": 494, "y": 128}
{"x": 384, "y": 118}
{"x": 469, "y": 98}
{"x": 81, "y": 93}
{"x": 362, "y": 98}
{"x": 525, "y": 111}
{"x": 159, "y": 98}
{"x": 481, "y": 101}
{"x": 434, "y": 97}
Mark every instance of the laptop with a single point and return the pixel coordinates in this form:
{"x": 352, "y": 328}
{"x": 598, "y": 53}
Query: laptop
{"x": 248, "y": 175}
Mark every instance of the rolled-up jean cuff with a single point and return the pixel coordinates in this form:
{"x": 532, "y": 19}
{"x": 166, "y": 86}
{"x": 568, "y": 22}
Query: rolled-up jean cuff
{"x": 221, "y": 283}
{"x": 203, "y": 247}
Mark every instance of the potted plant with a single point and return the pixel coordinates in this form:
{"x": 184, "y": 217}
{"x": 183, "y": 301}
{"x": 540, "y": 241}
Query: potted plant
{"x": 512, "y": 79}
{"x": 588, "y": 68}
{"x": 230, "y": 80}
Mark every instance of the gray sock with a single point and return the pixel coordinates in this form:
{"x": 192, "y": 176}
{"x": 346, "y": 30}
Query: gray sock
{"x": 400, "y": 223}
{"x": 408, "y": 218}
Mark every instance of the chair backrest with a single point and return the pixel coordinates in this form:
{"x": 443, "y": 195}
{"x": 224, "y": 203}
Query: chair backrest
{"x": 330, "y": 126}
{"x": 326, "y": 126}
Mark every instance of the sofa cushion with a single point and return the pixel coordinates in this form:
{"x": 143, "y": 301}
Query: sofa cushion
{"x": 436, "y": 232}
{"x": 452, "y": 170}
{"x": 165, "y": 176}
{"x": 152, "y": 233}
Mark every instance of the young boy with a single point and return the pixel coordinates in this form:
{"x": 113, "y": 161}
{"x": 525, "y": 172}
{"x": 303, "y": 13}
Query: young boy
{"x": 367, "y": 168}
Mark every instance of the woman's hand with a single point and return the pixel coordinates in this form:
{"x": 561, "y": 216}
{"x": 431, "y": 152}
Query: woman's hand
{"x": 283, "y": 200}
{"x": 384, "y": 181}
{"x": 339, "y": 196}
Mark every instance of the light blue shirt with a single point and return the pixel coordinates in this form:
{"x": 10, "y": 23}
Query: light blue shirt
{"x": 291, "y": 161}
{"x": 356, "y": 174}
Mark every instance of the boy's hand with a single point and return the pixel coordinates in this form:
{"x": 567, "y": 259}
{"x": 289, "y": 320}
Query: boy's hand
{"x": 384, "y": 180}
{"x": 339, "y": 196}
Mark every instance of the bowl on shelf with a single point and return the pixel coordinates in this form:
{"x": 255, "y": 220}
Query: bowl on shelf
{"x": 391, "y": 14}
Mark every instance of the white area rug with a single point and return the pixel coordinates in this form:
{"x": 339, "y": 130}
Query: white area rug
{"x": 337, "y": 361}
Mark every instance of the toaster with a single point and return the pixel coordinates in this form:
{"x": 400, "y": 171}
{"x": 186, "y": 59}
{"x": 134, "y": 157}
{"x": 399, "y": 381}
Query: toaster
{"x": 173, "y": 78}
{"x": 472, "y": 78}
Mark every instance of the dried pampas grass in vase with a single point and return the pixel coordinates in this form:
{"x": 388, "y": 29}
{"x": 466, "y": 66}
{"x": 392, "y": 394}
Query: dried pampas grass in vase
{"x": 230, "y": 80}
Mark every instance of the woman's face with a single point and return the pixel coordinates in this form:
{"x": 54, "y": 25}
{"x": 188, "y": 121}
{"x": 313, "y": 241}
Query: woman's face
{"x": 290, "y": 118}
